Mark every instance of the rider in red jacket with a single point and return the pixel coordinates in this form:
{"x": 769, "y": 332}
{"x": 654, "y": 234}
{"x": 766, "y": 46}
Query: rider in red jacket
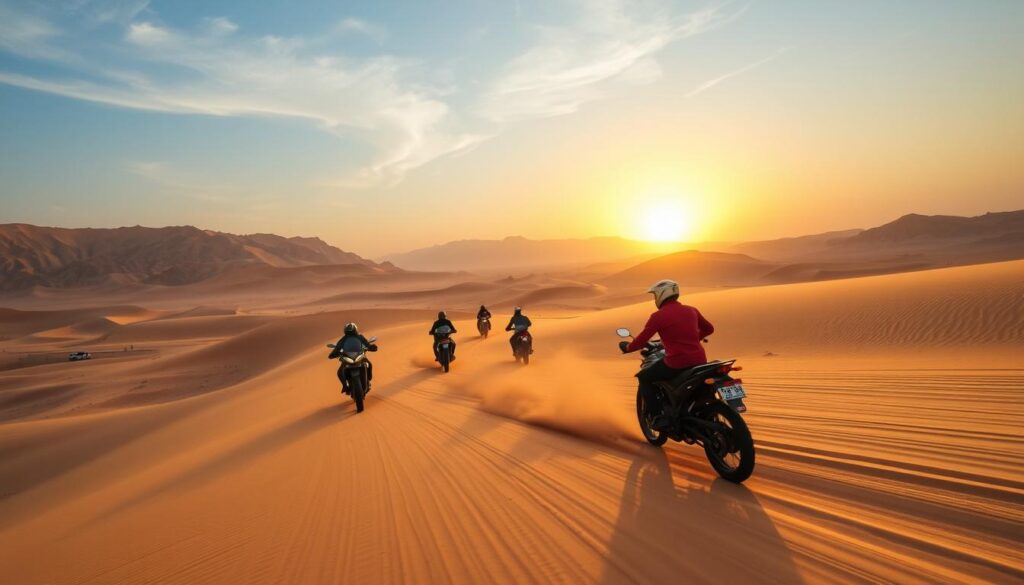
{"x": 681, "y": 329}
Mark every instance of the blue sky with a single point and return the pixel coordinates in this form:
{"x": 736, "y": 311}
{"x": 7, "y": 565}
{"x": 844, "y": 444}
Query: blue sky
{"x": 368, "y": 123}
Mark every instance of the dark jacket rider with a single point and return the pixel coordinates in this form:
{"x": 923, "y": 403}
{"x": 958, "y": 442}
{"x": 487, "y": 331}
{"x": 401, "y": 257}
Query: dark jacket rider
{"x": 518, "y": 320}
{"x": 483, "y": 313}
{"x": 352, "y": 336}
{"x": 681, "y": 329}
{"x": 442, "y": 321}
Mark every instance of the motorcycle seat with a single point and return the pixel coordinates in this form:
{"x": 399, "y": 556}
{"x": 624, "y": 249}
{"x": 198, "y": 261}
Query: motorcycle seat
{"x": 698, "y": 371}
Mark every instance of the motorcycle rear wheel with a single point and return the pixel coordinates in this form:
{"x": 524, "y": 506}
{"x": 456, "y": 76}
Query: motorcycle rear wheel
{"x": 731, "y": 453}
{"x": 656, "y": 438}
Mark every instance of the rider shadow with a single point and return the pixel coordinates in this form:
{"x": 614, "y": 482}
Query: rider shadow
{"x": 705, "y": 531}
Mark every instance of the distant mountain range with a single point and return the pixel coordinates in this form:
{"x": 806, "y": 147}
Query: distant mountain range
{"x": 64, "y": 258}
{"x": 912, "y": 241}
{"x": 517, "y": 253}
{"x": 67, "y": 258}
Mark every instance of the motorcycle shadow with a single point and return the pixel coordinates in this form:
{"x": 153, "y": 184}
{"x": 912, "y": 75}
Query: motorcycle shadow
{"x": 698, "y": 527}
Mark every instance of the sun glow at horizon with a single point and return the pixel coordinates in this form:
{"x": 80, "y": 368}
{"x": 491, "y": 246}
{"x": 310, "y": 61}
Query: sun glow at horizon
{"x": 664, "y": 215}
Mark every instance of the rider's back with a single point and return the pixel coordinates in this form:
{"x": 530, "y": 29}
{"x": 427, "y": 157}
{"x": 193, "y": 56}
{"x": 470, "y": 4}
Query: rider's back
{"x": 681, "y": 328}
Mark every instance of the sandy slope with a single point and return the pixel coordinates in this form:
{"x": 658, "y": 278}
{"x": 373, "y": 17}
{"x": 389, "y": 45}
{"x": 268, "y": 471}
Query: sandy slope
{"x": 886, "y": 454}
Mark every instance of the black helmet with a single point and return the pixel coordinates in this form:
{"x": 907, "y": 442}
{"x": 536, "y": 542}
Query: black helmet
{"x": 442, "y": 315}
{"x": 351, "y": 328}
{"x": 483, "y": 308}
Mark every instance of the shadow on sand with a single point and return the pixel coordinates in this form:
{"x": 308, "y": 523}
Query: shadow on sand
{"x": 238, "y": 456}
{"x": 701, "y": 531}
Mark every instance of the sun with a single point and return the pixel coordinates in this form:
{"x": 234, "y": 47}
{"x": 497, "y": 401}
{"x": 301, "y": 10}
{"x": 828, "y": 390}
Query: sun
{"x": 664, "y": 225}
{"x": 664, "y": 217}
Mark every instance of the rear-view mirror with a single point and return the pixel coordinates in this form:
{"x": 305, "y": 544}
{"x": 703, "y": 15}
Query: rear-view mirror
{"x": 373, "y": 339}
{"x": 330, "y": 345}
{"x": 622, "y": 332}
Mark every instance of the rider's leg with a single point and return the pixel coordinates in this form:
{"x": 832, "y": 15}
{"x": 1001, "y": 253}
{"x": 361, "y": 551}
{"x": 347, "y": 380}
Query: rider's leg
{"x": 652, "y": 395}
{"x": 341, "y": 376}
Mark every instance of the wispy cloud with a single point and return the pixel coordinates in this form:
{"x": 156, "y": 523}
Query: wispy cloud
{"x": 713, "y": 82}
{"x": 224, "y": 73}
{"x": 360, "y": 26}
{"x": 390, "y": 104}
{"x": 577, "y": 63}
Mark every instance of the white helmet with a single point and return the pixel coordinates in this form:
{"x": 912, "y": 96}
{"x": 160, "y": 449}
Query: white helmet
{"x": 664, "y": 289}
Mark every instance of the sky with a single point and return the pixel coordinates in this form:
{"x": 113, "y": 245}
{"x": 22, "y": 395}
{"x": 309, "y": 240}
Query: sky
{"x": 384, "y": 126}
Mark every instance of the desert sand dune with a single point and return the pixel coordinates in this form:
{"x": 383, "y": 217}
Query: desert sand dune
{"x": 693, "y": 268}
{"x": 203, "y": 311}
{"x": 555, "y": 294}
{"x": 175, "y": 328}
{"x": 969, "y": 310}
{"x": 15, "y": 323}
{"x": 886, "y": 454}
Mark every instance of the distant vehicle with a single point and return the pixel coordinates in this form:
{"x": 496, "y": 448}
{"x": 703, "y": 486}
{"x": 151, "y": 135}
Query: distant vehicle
{"x": 77, "y": 356}
{"x": 483, "y": 325}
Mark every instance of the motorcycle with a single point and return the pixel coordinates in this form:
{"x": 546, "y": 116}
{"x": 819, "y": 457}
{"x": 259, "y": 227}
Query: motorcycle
{"x": 522, "y": 344}
{"x": 483, "y": 325}
{"x": 355, "y": 378}
{"x": 703, "y": 406}
{"x": 443, "y": 341}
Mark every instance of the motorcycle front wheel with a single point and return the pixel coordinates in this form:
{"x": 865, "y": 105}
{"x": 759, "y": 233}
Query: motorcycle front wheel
{"x": 730, "y": 449}
{"x": 656, "y": 438}
{"x": 358, "y": 394}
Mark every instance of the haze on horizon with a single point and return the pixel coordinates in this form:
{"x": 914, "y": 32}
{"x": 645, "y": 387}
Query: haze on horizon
{"x": 385, "y": 126}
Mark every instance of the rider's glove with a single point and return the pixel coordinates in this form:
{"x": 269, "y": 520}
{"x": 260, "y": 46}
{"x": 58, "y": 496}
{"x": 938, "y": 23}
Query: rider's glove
{"x": 623, "y": 345}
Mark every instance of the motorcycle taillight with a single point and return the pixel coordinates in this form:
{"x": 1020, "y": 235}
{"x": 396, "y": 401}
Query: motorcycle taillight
{"x": 724, "y": 369}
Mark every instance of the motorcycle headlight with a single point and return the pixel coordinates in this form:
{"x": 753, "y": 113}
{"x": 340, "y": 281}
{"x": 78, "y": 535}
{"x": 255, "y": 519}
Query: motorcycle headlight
{"x": 348, "y": 360}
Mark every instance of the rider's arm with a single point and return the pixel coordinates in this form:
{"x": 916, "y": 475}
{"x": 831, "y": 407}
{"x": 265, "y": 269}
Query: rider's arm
{"x": 336, "y": 350}
{"x": 640, "y": 341}
{"x": 704, "y": 326}
{"x": 366, "y": 343}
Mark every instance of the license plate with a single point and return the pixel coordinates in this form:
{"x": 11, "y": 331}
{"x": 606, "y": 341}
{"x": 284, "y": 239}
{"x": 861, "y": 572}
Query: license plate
{"x": 732, "y": 392}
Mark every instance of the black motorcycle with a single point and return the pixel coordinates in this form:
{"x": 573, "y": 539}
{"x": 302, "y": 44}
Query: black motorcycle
{"x": 522, "y": 344}
{"x": 443, "y": 342}
{"x": 483, "y": 325}
{"x": 703, "y": 406}
{"x": 355, "y": 379}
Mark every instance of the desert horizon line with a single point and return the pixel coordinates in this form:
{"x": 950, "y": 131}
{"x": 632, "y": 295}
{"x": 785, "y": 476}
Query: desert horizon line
{"x": 653, "y": 244}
